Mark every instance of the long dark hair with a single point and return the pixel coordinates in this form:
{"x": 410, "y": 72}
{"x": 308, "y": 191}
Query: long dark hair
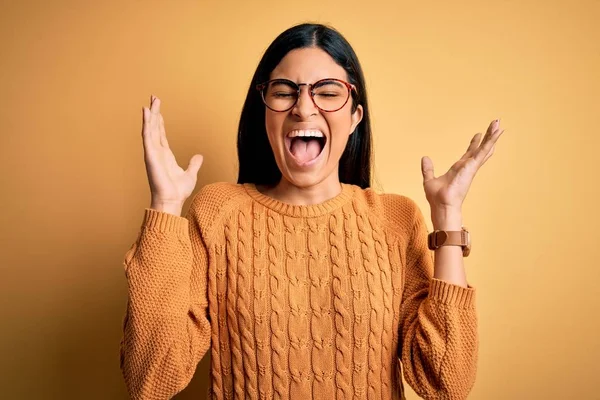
{"x": 256, "y": 160}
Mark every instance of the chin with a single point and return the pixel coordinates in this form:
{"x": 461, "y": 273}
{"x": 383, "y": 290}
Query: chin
{"x": 303, "y": 180}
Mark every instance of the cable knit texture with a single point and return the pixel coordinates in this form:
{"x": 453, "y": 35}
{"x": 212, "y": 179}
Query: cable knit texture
{"x": 328, "y": 301}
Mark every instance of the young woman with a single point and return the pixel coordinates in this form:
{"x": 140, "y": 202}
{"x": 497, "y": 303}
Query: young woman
{"x": 302, "y": 281}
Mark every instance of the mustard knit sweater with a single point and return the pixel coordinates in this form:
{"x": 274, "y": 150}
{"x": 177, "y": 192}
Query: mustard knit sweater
{"x": 326, "y": 301}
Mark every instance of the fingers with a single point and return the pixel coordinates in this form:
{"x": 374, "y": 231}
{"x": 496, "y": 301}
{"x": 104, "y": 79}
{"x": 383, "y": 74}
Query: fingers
{"x": 488, "y": 155}
{"x": 151, "y": 122}
{"x": 163, "y": 134}
{"x": 145, "y": 119}
{"x": 195, "y": 164}
{"x": 427, "y": 169}
{"x": 154, "y": 118}
{"x": 146, "y": 128}
{"x": 474, "y": 142}
{"x": 154, "y": 104}
{"x": 472, "y": 146}
{"x": 491, "y": 137}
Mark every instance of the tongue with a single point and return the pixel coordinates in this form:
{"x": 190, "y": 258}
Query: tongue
{"x": 305, "y": 151}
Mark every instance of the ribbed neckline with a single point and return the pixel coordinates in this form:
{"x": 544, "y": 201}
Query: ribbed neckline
{"x": 292, "y": 210}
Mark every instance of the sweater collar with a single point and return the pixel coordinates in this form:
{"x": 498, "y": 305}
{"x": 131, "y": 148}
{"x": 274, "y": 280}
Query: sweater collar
{"x": 292, "y": 210}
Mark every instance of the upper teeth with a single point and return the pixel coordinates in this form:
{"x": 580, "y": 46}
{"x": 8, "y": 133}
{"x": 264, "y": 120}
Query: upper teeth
{"x": 305, "y": 133}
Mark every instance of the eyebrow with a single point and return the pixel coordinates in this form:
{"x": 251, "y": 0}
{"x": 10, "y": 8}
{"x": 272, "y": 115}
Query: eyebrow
{"x": 317, "y": 80}
{"x": 286, "y": 81}
{"x": 282, "y": 81}
{"x": 330, "y": 81}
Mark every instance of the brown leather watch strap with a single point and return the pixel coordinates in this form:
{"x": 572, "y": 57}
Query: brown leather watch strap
{"x": 439, "y": 238}
{"x": 448, "y": 238}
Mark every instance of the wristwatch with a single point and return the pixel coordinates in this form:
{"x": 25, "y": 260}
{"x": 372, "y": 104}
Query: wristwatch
{"x": 462, "y": 238}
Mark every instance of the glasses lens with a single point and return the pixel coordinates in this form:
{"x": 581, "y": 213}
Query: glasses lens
{"x": 280, "y": 95}
{"x": 330, "y": 95}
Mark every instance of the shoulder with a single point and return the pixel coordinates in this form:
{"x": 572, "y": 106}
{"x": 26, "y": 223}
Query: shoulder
{"x": 219, "y": 193}
{"x": 399, "y": 213}
{"x": 214, "y": 202}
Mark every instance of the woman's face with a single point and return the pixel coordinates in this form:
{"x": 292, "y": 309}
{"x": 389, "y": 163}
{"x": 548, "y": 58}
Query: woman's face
{"x": 308, "y": 162}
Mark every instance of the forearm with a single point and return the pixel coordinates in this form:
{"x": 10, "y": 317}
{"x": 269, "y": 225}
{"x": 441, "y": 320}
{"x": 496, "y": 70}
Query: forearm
{"x": 174, "y": 208}
{"x": 448, "y": 260}
{"x": 438, "y": 319}
{"x": 166, "y": 330}
{"x": 439, "y": 342}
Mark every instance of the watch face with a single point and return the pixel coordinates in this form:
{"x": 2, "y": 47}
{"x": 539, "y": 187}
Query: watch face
{"x": 441, "y": 238}
{"x": 467, "y": 248}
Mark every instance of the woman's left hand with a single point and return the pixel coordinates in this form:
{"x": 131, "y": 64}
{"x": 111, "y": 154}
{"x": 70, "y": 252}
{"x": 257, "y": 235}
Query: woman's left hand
{"x": 447, "y": 192}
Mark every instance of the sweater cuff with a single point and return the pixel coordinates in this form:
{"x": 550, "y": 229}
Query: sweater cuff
{"x": 164, "y": 222}
{"x": 452, "y": 295}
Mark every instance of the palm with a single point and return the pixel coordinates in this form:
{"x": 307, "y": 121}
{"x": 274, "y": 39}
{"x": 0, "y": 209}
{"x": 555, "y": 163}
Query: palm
{"x": 166, "y": 177}
{"x": 169, "y": 183}
{"x": 449, "y": 190}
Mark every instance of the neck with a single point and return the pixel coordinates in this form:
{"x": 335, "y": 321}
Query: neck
{"x": 287, "y": 192}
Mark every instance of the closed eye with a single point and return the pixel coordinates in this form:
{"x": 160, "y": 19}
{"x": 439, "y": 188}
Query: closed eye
{"x": 284, "y": 95}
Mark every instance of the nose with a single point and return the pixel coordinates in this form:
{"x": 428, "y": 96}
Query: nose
{"x": 304, "y": 107}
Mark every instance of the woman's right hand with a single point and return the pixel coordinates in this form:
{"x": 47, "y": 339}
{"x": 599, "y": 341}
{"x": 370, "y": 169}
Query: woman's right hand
{"x": 170, "y": 185}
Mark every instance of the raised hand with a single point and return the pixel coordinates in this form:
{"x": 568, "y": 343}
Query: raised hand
{"x": 448, "y": 191}
{"x": 170, "y": 185}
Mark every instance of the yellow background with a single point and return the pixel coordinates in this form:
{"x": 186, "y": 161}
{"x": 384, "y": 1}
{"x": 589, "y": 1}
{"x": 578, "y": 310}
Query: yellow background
{"x": 74, "y": 76}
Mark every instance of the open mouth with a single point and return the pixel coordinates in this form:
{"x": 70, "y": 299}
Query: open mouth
{"x": 305, "y": 146}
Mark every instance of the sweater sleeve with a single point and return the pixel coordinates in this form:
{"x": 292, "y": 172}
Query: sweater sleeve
{"x": 166, "y": 330}
{"x": 438, "y": 326}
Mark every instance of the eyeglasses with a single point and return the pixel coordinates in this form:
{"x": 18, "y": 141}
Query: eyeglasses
{"x": 328, "y": 94}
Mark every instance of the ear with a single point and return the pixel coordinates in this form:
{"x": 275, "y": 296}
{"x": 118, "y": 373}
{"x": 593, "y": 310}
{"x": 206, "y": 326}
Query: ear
{"x": 356, "y": 118}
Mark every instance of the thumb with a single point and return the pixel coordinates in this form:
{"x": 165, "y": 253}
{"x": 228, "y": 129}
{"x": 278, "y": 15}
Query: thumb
{"x": 195, "y": 164}
{"x": 427, "y": 169}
